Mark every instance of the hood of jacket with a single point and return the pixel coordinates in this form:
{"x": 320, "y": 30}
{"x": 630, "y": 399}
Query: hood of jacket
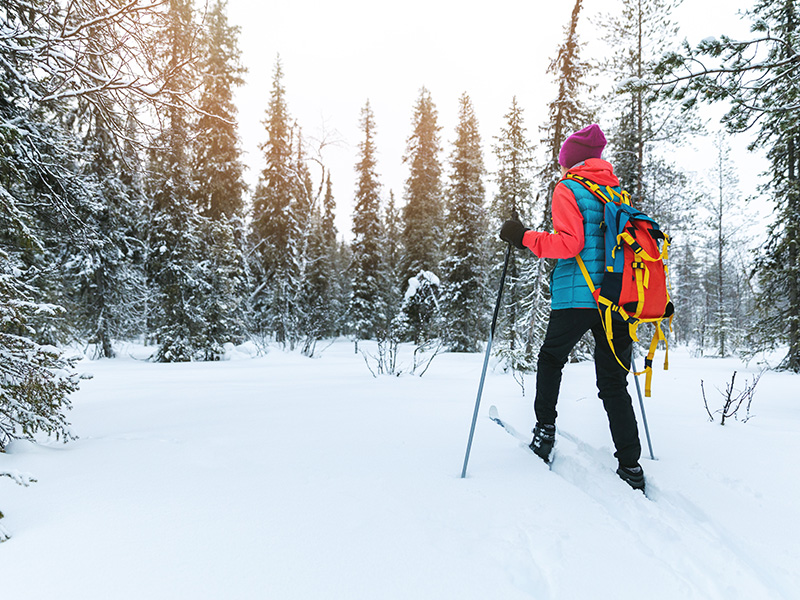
{"x": 597, "y": 170}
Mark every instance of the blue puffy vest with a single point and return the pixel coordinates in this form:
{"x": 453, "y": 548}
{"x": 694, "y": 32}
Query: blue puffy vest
{"x": 568, "y": 288}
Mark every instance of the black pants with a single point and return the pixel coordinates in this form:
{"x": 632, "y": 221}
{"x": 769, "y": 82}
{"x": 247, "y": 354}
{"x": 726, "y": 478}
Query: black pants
{"x": 565, "y": 329}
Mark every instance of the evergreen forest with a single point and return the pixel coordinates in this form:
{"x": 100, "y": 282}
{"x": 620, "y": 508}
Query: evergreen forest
{"x": 124, "y": 212}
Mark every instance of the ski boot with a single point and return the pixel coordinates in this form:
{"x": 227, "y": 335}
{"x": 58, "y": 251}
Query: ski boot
{"x": 544, "y": 436}
{"x": 633, "y": 476}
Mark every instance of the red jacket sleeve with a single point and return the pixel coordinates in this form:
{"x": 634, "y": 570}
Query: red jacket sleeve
{"x": 567, "y": 240}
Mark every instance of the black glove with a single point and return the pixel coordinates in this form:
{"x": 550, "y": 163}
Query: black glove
{"x": 512, "y": 232}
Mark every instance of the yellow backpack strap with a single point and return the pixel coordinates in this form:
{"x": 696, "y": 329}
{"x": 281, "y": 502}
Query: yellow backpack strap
{"x": 591, "y": 186}
{"x": 658, "y": 335}
{"x": 606, "y": 309}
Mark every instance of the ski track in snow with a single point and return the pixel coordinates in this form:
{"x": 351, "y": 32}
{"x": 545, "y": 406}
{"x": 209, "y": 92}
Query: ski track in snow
{"x": 699, "y": 550}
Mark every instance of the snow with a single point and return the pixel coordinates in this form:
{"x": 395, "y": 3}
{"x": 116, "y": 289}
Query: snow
{"x": 414, "y": 283}
{"x": 285, "y": 477}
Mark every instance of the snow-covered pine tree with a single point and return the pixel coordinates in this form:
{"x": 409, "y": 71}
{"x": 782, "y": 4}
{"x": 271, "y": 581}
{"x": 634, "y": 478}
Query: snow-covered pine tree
{"x": 36, "y": 183}
{"x": 568, "y": 112}
{"x": 366, "y": 309}
{"x": 393, "y": 262}
{"x": 217, "y": 169}
{"x": 175, "y": 228}
{"x": 53, "y": 57}
{"x": 423, "y": 211}
{"x": 103, "y": 272}
{"x": 321, "y": 296}
{"x": 307, "y": 216}
{"x": 218, "y": 186}
{"x": 336, "y": 280}
{"x": 644, "y": 122}
{"x": 464, "y": 268}
{"x": 758, "y": 77}
{"x": 35, "y": 380}
{"x": 274, "y": 228}
{"x": 724, "y": 271}
{"x": 513, "y": 199}
{"x": 38, "y": 190}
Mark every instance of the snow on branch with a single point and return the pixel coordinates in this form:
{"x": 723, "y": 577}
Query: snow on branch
{"x": 23, "y": 479}
{"x": 747, "y": 73}
{"x": 90, "y": 50}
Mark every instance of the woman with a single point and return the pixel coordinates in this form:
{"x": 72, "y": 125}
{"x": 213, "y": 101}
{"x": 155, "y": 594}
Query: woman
{"x": 577, "y": 218}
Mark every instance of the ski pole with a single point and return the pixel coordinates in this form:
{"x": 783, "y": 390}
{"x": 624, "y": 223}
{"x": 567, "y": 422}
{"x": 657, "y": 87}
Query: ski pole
{"x": 641, "y": 404}
{"x": 486, "y": 360}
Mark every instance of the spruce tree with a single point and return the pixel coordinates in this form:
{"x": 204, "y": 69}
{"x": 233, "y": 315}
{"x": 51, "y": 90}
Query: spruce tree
{"x": 762, "y": 95}
{"x": 218, "y": 186}
{"x": 323, "y": 277}
{"x": 567, "y": 112}
{"x": 513, "y": 199}
{"x": 366, "y": 309}
{"x": 103, "y": 271}
{"x": 275, "y": 228}
{"x": 336, "y": 265}
{"x": 423, "y": 211}
{"x": 393, "y": 258}
{"x": 464, "y": 267}
{"x": 643, "y": 121}
{"x": 39, "y": 188}
{"x": 316, "y": 310}
{"x": 175, "y": 227}
{"x": 217, "y": 168}
{"x": 423, "y": 214}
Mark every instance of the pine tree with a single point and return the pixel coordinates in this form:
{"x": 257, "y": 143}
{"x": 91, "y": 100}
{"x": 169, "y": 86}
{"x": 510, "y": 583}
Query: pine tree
{"x": 336, "y": 265}
{"x": 35, "y": 380}
{"x": 513, "y": 199}
{"x": 366, "y": 310}
{"x": 393, "y": 258}
{"x": 464, "y": 304}
{"x": 218, "y": 169}
{"x": 640, "y": 34}
{"x": 218, "y": 186}
{"x": 723, "y": 247}
{"x": 103, "y": 273}
{"x": 64, "y": 226}
{"x": 779, "y": 262}
{"x": 762, "y": 94}
{"x": 568, "y": 112}
{"x": 38, "y": 190}
{"x": 175, "y": 228}
{"x": 321, "y": 298}
{"x": 275, "y": 228}
{"x": 423, "y": 211}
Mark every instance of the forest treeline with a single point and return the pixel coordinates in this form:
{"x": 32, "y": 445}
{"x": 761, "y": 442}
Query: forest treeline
{"x": 124, "y": 213}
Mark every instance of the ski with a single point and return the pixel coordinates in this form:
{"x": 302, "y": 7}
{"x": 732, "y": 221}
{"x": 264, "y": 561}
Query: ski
{"x": 524, "y": 439}
{"x": 495, "y": 416}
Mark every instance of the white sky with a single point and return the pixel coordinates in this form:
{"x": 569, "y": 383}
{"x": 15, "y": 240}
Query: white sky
{"x": 337, "y": 54}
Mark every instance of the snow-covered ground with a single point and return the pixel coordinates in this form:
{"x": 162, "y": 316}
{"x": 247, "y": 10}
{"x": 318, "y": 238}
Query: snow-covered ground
{"x": 284, "y": 477}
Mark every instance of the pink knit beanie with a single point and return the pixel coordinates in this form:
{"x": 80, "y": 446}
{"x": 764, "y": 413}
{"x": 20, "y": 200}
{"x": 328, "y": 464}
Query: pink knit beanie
{"x": 586, "y": 143}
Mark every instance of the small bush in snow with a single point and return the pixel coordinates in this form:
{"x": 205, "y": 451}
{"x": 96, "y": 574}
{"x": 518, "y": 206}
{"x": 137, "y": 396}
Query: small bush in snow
{"x": 732, "y": 399}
